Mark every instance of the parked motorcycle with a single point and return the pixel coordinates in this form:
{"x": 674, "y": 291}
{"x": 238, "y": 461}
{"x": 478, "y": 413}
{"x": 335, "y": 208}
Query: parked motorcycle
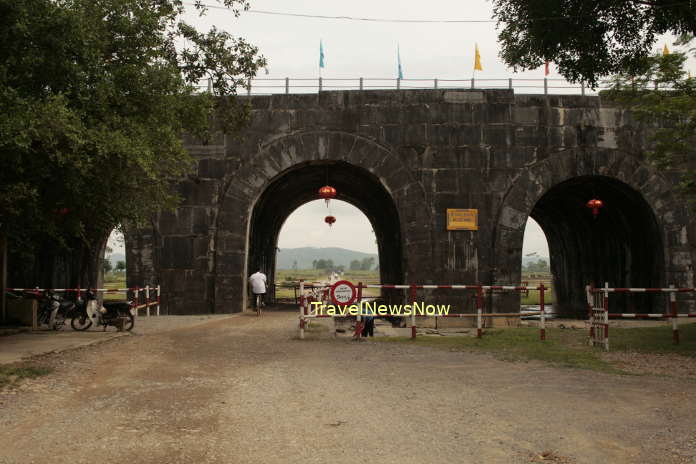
{"x": 116, "y": 313}
{"x": 53, "y": 310}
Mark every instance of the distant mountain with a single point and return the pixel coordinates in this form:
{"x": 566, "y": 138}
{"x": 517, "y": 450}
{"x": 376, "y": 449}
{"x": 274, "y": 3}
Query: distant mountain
{"x": 115, "y": 258}
{"x": 304, "y": 257}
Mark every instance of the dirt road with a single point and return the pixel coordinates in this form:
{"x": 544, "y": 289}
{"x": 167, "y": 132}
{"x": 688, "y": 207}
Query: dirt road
{"x": 244, "y": 390}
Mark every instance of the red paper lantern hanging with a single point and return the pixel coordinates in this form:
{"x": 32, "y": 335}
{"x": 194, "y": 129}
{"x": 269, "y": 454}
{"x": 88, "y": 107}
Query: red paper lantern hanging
{"x": 329, "y": 220}
{"x": 327, "y": 192}
{"x": 595, "y": 205}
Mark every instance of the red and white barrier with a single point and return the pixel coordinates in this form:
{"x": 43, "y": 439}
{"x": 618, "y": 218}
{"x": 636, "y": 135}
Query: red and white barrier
{"x": 598, "y": 308}
{"x": 306, "y": 312}
{"x": 136, "y": 304}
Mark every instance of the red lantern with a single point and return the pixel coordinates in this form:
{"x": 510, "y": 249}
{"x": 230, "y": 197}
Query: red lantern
{"x": 329, "y": 220}
{"x": 595, "y": 205}
{"x": 327, "y": 192}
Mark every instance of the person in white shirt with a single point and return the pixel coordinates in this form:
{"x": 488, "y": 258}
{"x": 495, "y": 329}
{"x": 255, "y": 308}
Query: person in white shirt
{"x": 258, "y": 286}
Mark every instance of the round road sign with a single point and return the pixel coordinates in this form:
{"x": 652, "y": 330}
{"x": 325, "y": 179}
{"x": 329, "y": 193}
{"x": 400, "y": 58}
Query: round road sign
{"x": 343, "y": 293}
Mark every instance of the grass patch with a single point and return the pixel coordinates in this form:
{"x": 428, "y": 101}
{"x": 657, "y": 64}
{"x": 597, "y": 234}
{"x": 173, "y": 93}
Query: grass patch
{"x": 10, "y": 375}
{"x": 316, "y": 327}
{"x": 563, "y": 347}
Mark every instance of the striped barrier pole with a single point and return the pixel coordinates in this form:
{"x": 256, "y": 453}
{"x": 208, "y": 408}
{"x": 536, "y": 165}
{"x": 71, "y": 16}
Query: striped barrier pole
{"x": 590, "y": 297}
{"x": 302, "y": 302}
{"x": 606, "y": 316}
{"x": 675, "y": 318}
{"x": 542, "y": 318}
{"x": 136, "y": 299}
{"x": 147, "y": 300}
{"x": 413, "y": 297}
{"x": 159, "y": 295}
{"x": 479, "y": 311}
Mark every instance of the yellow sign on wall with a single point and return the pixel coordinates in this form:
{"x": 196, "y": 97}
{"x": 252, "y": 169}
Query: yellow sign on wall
{"x": 462, "y": 219}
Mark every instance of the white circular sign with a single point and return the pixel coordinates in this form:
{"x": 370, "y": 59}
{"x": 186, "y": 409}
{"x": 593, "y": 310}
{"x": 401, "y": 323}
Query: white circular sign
{"x": 343, "y": 293}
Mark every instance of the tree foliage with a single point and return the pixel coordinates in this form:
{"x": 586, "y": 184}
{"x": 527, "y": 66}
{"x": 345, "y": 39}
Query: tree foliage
{"x": 662, "y": 96}
{"x": 587, "y": 39}
{"x": 95, "y": 98}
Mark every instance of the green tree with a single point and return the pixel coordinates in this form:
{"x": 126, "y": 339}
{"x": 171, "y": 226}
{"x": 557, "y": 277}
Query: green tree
{"x": 106, "y": 266}
{"x": 120, "y": 266}
{"x": 95, "y": 98}
{"x": 662, "y": 96}
{"x": 355, "y": 265}
{"x": 587, "y": 40}
{"x": 366, "y": 263}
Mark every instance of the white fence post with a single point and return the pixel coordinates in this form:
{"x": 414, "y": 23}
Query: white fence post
{"x": 147, "y": 300}
{"x": 302, "y": 303}
{"x": 158, "y": 300}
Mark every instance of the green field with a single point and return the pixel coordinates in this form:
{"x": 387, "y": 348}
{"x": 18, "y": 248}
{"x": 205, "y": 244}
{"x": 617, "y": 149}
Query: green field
{"x": 533, "y": 280}
{"x": 286, "y": 279}
{"x": 114, "y": 280}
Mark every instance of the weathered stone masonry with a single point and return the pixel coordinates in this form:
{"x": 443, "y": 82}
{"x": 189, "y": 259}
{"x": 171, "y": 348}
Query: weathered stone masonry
{"x": 404, "y": 157}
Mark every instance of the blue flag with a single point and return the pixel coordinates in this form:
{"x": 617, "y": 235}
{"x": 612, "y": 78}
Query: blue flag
{"x": 398, "y": 60}
{"x": 321, "y": 54}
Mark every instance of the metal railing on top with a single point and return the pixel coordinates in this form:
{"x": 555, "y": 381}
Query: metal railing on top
{"x": 546, "y": 86}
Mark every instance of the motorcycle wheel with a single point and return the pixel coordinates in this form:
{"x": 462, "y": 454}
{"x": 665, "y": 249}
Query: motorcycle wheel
{"x": 129, "y": 323}
{"x": 81, "y": 323}
{"x": 59, "y": 322}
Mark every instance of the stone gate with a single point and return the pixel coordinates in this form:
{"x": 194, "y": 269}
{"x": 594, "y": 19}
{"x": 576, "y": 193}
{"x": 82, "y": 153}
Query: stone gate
{"x": 404, "y": 157}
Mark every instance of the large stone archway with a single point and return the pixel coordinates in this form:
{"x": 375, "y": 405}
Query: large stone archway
{"x": 629, "y": 244}
{"x": 282, "y": 175}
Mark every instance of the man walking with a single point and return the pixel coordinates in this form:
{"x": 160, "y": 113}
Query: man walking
{"x": 258, "y": 287}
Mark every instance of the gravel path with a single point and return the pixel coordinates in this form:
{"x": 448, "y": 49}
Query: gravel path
{"x": 245, "y": 390}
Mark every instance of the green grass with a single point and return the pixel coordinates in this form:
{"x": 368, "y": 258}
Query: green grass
{"x": 533, "y": 297}
{"x": 114, "y": 280}
{"x": 563, "y": 347}
{"x": 10, "y": 375}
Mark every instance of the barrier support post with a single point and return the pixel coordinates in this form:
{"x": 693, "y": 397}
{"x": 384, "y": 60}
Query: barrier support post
{"x": 136, "y": 299}
{"x": 590, "y": 299}
{"x": 159, "y": 295}
{"x": 542, "y": 318}
{"x": 302, "y": 303}
{"x": 413, "y": 297}
{"x": 606, "y": 316}
{"x": 479, "y": 310}
{"x": 675, "y": 316}
{"x": 147, "y": 300}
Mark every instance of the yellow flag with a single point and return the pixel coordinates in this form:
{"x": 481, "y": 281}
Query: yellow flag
{"x": 477, "y": 60}
{"x": 665, "y": 51}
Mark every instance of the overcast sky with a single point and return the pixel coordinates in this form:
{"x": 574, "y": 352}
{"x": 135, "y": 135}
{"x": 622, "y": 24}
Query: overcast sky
{"x": 355, "y": 49}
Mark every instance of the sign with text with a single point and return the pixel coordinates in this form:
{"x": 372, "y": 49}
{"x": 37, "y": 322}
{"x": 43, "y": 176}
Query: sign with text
{"x": 343, "y": 293}
{"x": 462, "y": 219}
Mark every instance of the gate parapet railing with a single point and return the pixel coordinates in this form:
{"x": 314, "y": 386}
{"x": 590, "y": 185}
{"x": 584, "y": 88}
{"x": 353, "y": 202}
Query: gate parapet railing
{"x": 288, "y": 85}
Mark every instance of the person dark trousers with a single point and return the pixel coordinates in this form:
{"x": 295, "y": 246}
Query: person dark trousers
{"x": 369, "y": 329}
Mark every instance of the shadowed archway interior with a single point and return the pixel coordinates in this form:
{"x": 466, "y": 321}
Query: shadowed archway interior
{"x": 622, "y": 245}
{"x": 300, "y": 185}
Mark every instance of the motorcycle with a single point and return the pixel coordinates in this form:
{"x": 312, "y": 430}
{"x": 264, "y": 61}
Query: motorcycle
{"x": 116, "y": 313}
{"x": 53, "y": 310}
